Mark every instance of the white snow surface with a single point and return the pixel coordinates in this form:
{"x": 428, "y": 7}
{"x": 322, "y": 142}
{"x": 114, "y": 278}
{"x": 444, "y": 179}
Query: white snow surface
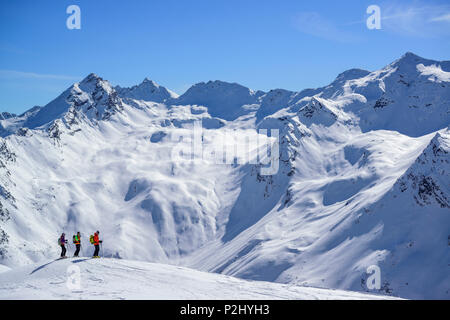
{"x": 435, "y": 72}
{"x": 4, "y": 268}
{"x": 125, "y": 279}
{"x": 363, "y": 179}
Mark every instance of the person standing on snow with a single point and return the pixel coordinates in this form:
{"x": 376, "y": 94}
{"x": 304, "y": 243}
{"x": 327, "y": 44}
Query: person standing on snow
{"x": 77, "y": 242}
{"x": 96, "y": 243}
{"x": 62, "y": 242}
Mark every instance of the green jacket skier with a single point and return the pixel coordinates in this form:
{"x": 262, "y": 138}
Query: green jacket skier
{"x": 77, "y": 242}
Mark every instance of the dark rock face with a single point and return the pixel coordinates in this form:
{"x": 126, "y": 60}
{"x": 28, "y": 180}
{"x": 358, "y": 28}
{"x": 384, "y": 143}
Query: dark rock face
{"x": 427, "y": 190}
{"x": 426, "y": 179}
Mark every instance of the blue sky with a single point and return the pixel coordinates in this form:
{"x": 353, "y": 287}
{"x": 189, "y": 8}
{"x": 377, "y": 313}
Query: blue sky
{"x": 257, "y": 43}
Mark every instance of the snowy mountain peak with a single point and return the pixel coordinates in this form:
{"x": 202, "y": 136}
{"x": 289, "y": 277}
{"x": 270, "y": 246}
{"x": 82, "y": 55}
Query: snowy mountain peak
{"x": 146, "y": 79}
{"x": 91, "y": 80}
{"x": 94, "y": 83}
{"x": 92, "y": 77}
{"x": 148, "y": 83}
{"x": 147, "y": 90}
{"x": 407, "y": 64}
{"x": 317, "y": 112}
{"x": 410, "y": 56}
{"x": 92, "y": 97}
{"x": 273, "y": 101}
{"x": 217, "y": 86}
{"x": 223, "y": 99}
{"x": 351, "y": 74}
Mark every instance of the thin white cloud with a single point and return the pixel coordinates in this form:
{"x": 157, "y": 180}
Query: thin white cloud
{"x": 314, "y": 24}
{"x": 13, "y": 74}
{"x": 418, "y": 18}
{"x": 445, "y": 17}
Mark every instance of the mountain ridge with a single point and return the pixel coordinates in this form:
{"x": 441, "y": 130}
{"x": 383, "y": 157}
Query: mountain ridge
{"x": 269, "y": 102}
{"x": 95, "y": 160}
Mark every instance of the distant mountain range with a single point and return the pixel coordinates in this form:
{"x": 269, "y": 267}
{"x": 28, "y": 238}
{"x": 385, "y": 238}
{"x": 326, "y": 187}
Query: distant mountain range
{"x": 363, "y": 179}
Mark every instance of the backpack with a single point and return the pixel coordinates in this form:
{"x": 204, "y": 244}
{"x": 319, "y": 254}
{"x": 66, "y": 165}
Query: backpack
{"x": 91, "y": 239}
{"x": 59, "y": 241}
{"x": 74, "y": 239}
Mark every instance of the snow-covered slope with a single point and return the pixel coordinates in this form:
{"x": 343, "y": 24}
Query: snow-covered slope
{"x": 405, "y": 232}
{"x": 84, "y": 278}
{"x": 4, "y": 268}
{"x": 117, "y": 176}
{"x": 362, "y": 178}
{"x": 333, "y": 221}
